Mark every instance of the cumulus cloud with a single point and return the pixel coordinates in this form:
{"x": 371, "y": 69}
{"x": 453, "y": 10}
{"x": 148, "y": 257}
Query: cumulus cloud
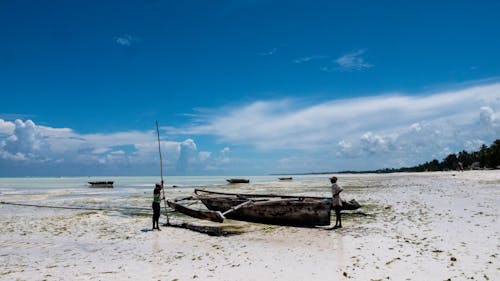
{"x": 25, "y": 142}
{"x": 373, "y": 143}
{"x": 6, "y": 127}
{"x": 187, "y": 157}
{"x": 490, "y": 118}
{"x": 344, "y": 148}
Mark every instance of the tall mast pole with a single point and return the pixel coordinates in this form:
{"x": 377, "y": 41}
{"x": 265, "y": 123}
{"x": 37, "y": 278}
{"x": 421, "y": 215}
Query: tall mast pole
{"x": 161, "y": 172}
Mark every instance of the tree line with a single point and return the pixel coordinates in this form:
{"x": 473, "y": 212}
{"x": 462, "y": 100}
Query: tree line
{"x": 485, "y": 158}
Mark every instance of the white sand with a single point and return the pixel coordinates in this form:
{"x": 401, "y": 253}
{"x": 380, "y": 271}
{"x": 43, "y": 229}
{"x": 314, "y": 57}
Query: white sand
{"x": 426, "y": 226}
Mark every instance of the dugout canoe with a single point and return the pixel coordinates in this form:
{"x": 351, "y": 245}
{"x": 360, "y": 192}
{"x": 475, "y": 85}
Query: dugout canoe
{"x": 199, "y": 214}
{"x": 238, "y": 180}
{"x": 279, "y": 210}
{"x": 101, "y": 183}
{"x": 346, "y": 205}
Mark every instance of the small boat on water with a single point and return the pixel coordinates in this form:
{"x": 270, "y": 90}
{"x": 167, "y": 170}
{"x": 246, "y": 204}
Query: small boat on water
{"x": 285, "y": 179}
{"x": 262, "y": 208}
{"x": 238, "y": 180}
{"x": 101, "y": 183}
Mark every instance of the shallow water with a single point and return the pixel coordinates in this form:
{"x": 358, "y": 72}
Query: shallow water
{"x": 131, "y": 195}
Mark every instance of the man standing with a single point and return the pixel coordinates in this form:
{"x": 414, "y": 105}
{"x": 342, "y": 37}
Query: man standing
{"x": 336, "y": 202}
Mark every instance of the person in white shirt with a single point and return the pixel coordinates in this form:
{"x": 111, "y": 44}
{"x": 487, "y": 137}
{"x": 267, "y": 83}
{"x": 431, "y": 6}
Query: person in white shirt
{"x": 336, "y": 201}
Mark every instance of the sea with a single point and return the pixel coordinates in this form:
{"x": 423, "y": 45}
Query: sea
{"x": 133, "y": 195}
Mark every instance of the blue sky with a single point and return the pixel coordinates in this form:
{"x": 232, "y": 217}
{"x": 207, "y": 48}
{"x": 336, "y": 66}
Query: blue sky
{"x": 244, "y": 87}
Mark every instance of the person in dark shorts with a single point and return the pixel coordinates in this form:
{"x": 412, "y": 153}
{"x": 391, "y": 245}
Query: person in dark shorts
{"x": 336, "y": 201}
{"x": 156, "y": 206}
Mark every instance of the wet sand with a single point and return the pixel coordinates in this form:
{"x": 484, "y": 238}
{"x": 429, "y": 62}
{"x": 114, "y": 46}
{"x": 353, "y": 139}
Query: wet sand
{"x": 422, "y": 226}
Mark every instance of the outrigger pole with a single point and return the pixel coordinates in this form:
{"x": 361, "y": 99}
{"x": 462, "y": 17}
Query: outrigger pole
{"x": 161, "y": 173}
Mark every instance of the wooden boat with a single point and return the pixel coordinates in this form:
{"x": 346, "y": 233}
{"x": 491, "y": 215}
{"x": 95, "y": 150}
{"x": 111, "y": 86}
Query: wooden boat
{"x": 238, "y": 180}
{"x": 346, "y": 205}
{"x": 262, "y": 208}
{"x": 285, "y": 179}
{"x": 199, "y": 214}
{"x": 271, "y": 208}
{"x": 101, "y": 183}
{"x": 295, "y": 212}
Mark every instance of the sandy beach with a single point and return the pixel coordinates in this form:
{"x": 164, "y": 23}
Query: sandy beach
{"x": 419, "y": 226}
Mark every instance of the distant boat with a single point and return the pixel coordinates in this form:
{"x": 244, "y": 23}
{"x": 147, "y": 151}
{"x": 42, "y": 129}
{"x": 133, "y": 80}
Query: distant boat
{"x": 285, "y": 179}
{"x": 101, "y": 183}
{"x": 238, "y": 180}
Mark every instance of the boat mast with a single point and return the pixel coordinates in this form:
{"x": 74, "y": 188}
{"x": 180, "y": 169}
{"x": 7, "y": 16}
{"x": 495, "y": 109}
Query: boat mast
{"x": 161, "y": 172}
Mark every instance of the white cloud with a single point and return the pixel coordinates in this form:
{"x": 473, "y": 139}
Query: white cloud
{"x": 358, "y": 133}
{"x": 26, "y": 142}
{"x": 125, "y": 40}
{"x": 269, "y": 52}
{"x": 473, "y": 145}
{"x": 410, "y": 127}
{"x": 6, "y": 127}
{"x": 187, "y": 157}
{"x": 117, "y": 152}
{"x": 490, "y": 118}
{"x": 345, "y": 149}
{"x": 100, "y": 150}
{"x": 373, "y": 143}
{"x": 308, "y": 59}
{"x": 351, "y": 61}
{"x": 29, "y": 143}
{"x": 204, "y": 155}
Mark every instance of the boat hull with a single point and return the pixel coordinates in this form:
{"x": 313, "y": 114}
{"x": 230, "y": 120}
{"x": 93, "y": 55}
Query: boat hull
{"x": 107, "y": 184}
{"x": 293, "y": 212}
{"x": 199, "y": 214}
{"x": 238, "y": 180}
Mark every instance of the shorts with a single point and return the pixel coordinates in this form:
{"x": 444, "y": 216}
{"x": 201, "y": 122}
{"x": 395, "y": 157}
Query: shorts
{"x": 156, "y": 210}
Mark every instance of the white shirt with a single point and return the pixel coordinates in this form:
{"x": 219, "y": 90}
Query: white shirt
{"x": 335, "y": 195}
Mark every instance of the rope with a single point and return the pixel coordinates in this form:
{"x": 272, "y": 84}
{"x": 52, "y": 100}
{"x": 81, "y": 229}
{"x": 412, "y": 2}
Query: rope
{"x": 75, "y": 208}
